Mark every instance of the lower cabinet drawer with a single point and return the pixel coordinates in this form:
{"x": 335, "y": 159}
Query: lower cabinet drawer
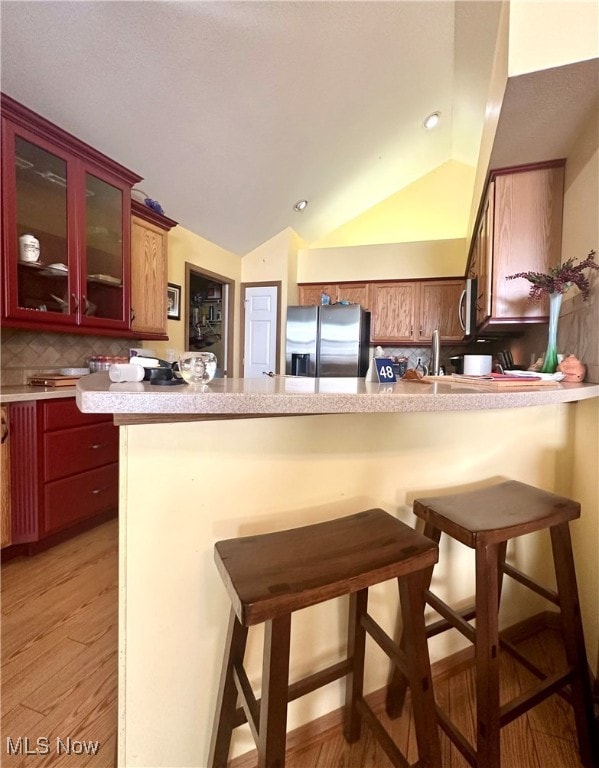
{"x": 71, "y": 451}
{"x": 76, "y": 498}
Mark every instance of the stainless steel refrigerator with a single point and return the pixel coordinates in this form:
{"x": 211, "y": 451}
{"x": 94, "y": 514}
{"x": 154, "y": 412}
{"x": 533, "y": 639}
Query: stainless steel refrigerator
{"x": 331, "y": 340}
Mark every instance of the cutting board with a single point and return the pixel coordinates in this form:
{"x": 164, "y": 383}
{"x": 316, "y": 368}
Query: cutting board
{"x": 54, "y": 380}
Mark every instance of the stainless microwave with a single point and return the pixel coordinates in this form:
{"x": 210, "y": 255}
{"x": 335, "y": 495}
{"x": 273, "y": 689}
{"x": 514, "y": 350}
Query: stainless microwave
{"x": 467, "y": 307}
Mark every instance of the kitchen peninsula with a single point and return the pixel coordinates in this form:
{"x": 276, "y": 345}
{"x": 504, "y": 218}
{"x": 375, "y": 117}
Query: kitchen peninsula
{"x": 187, "y": 483}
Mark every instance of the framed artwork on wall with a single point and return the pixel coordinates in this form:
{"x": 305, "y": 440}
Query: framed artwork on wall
{"x": 173, "y": 301}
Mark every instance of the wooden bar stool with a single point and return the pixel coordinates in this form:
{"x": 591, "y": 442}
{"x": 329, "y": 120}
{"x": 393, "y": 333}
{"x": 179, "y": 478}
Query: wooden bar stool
{"x": 270, "y": 576}
{"x": 486, "y": 520}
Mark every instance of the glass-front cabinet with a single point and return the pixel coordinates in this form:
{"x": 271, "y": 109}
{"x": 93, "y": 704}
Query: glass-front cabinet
{"x": 66, "y": 229}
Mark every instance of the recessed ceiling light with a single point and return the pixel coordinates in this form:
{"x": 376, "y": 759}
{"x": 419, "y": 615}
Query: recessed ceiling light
{"x": 432, "y": 120}
{"x": 300, "y": 205}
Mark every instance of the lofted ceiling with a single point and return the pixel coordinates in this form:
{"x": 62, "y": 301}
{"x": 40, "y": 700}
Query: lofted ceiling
{"x": 233, "y": 111}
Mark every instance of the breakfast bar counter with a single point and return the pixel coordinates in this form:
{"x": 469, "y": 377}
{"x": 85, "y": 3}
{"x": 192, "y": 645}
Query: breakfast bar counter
{"x": 293, "y": 395}
{"x": 201, "y": 464}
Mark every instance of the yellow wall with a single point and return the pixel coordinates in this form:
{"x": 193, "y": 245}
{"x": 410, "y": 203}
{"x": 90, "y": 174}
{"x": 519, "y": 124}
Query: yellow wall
{"x": 185, "y": 246}
{"x": 232, "y": 478}
{"x": 276, "y": 260}
{"x": 435, "y": 258}
{"x": 546, "y": 33}
{"x": 436, "y": 207}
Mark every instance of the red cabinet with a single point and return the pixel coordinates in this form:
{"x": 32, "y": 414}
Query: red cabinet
{"x": 76, "y": 203}
{"x": 64, "y": 468}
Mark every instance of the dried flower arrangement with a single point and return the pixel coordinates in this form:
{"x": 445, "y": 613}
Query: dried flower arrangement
{"x": 559, "y": 279}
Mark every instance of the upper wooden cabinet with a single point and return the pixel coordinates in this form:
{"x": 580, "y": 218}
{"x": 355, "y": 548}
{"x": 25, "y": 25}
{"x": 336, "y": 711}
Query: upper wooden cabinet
{"x": 518, "y": 230}
{"x": 393, "y": 312}
{"x": 409, "y": 312}
{"x": 77, "y": 203}
{"x": 438, "y": 310}
{"x": 355, "y": 293}
{"x": 149, "y": 271}
{"x": 401, "y": 311}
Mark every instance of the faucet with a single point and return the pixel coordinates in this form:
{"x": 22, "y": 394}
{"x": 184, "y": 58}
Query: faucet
{"x": 435, "y": 354}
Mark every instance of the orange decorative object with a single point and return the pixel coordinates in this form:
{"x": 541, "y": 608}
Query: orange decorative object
{"x": 573, "y": 369}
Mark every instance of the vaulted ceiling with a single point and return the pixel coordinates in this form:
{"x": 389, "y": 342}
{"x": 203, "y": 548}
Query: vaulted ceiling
{"x": 233, "y": 111}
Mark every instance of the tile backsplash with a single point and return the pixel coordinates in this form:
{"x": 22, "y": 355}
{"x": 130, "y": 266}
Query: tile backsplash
{"x": 25, "y": 353}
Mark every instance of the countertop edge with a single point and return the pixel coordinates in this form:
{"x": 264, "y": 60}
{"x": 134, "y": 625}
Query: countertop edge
{"x": 239, "y": 398}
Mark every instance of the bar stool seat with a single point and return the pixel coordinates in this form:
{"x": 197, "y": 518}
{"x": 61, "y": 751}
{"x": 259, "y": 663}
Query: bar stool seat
{"x": 269, "y": 576}
{"x": 486, "y": 520}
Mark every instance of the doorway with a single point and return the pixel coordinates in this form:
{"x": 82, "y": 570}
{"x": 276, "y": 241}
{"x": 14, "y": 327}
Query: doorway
{"x": 209, "y": 315}
{"x": 260, "y": 328}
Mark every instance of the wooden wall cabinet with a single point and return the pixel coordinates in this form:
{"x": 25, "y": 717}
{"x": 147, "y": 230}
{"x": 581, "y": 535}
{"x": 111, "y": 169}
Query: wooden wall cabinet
{"x": 5, "y": 511}
{"x": 409, "y": 312}
{"x": 64, "y": 468}
{"x": 438, "y": 310}
{"x": 77, "y": 203}
{"x": 393, "y": 312}
{"x": 519, "y": 229}
{"x": 401, "y": 311}
{"x": 355, "y": 293}
{"x": 149, "y": 271}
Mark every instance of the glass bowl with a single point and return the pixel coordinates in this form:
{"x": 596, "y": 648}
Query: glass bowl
{"x": 197, "y": 367}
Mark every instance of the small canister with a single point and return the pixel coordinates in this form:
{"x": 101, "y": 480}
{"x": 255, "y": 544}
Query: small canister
{"x": 29, "y": 248}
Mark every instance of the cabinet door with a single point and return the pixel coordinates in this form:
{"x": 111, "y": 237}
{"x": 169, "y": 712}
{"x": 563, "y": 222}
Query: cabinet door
{"x": 355, "y": 293}
{"x": 484, "y": 257}
{"x": 105, "y": 249}
{"x": 309, "y": 295}
{"x": 37, "y": 200}
{"x": 148, "y": 277}
{"x": 393, "y": 312}
{"x": 527, "y": 237}
{"x": 438, "y": 309}
{"x": 5, "y": 515}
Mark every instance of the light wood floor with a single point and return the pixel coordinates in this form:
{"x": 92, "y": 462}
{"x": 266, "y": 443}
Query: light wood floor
{"x": 59, "y": 674}
{"x": 59, "y": 652}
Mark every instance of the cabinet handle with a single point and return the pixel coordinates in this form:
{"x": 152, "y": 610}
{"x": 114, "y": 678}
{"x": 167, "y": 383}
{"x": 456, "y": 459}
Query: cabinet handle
{"x": 132, "y": 313}
{"x": 4, "y": 431}
{"x": 75, "y": 301}
{"x": 96, "y": 491}
{"x": 95, "y": 446}
{"x": 85, "y": 303}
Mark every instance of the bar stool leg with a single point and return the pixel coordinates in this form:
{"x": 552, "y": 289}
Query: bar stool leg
{"x": 487, "y": 656}
{"x": 227, "y": 694}
{"x": 411, "y": 590}
{"x": 398, "y": 685}
{"x": 573, "y": 637}
{"x": 354, "y": 682}
{"x": 273, "y": 702}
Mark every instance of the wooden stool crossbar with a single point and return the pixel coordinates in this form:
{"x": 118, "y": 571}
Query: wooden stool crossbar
{"x": 485, "y": 520}
{"x": 270, "y": 576}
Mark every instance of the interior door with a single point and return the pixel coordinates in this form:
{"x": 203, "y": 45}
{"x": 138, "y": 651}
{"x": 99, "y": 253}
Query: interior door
{"x": 260, "y": 330}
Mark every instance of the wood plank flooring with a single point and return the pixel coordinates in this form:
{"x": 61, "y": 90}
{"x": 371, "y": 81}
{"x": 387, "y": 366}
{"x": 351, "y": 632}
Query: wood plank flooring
{"x": 59, "y": 654}
{"x": 59, "y": 676}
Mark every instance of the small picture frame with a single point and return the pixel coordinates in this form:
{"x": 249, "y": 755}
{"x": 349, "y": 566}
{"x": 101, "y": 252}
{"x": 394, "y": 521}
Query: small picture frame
{"x": 173, "y": 301}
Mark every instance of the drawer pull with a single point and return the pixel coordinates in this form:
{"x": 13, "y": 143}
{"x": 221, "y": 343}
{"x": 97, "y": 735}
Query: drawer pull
{"x": 95, "y": 446}
{"x": 96, "y": 491}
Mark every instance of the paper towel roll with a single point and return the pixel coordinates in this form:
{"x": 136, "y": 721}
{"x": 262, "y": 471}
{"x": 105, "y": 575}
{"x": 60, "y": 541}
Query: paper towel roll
{"x": 478, "y": 365}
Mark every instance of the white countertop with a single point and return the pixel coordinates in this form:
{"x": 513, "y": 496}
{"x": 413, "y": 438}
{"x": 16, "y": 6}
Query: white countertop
{"x": 298, "y": 395}
{"x": 19, "y": 393}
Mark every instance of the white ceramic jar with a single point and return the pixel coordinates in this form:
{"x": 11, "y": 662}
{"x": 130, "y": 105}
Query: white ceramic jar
{"x": 29, "y": 248}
